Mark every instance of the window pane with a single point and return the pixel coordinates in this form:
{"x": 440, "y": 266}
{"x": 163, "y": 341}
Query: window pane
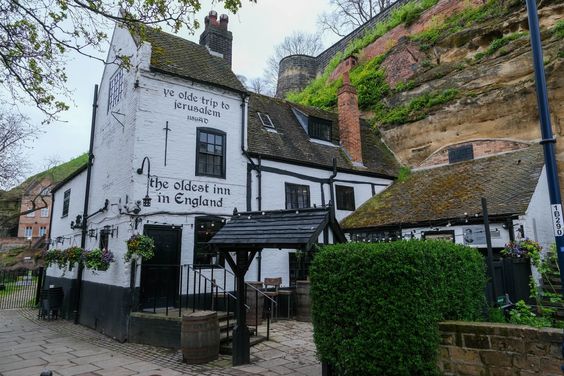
{"x": 203, "y": 137}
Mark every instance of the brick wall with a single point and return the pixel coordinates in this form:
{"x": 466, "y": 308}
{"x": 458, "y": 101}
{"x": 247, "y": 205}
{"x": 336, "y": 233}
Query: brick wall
{"x": 482, "y": 148}
{"x": 470, "y": 348}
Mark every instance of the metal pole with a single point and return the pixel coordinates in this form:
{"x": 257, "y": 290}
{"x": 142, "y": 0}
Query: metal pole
{"x": 84, "y": 227}
{"x": 489, "y": 245}
{"x": 548, "y": 141}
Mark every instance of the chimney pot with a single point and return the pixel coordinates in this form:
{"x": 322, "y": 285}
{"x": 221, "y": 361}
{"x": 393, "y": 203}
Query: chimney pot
{"x": 213, "y": 18}
{"x": 223, "y": 21}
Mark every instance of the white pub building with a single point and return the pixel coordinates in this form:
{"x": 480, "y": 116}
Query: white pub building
{"x": 177, "y": 145}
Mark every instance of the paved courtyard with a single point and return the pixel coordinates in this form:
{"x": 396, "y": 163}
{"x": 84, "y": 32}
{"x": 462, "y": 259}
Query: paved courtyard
{"x": 29, "y": 346}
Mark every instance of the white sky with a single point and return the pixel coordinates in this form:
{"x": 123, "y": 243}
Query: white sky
{"x": 256, "y": 28}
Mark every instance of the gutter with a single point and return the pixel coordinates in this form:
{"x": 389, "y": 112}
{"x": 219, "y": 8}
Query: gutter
{"x": 86, "y": 201}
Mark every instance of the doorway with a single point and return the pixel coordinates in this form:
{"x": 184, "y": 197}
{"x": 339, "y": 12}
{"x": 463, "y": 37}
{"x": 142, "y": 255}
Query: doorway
{"x": 160, "y": 275}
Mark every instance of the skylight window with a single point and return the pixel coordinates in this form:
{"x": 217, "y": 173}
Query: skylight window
{"x": 265, "y": 120}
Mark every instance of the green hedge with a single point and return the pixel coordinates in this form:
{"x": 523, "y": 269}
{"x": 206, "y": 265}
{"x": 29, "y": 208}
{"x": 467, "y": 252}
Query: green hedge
{"x": 375, "y": 307}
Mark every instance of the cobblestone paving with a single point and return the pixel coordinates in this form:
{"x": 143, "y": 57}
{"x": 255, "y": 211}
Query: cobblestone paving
{"x": 28, "y": 346}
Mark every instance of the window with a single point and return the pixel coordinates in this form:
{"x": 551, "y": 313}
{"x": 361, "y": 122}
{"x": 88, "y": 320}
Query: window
{"x": 66, "y": 203}
{"x": 205, "y": 228}
{"x": 461, "y": 153}
{"x": 28, "y": 232}
{"x": 116, "y": 88}
{"x": 31, "y": 214}
{"x": 44, "y": 212}
{"x": 42, "y": 230}
{"x": 210, "y": 157}
{"x": 297, "y": 196}
{"x": 265, "y": 120}
{"x": 319, "y": 128}
{"x": 345, "y": 197}
{"x": 45, "y": 191}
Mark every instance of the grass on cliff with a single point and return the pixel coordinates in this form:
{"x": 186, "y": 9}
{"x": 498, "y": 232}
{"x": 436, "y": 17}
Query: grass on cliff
{"x": 464, "y": 19}
{"x": 323, "y": 94}
{"x": 497, "y": 45}
{"x": 416, "y": 109}
{"x": 558, "y": 29}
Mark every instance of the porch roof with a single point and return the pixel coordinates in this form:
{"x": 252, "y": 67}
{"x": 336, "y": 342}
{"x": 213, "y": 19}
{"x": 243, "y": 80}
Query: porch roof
{"x": 294, "y": 229}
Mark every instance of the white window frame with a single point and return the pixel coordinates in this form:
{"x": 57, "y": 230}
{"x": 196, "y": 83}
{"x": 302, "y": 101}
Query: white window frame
{"x": 44, "y": 213}
{"x": 28, "y": 233}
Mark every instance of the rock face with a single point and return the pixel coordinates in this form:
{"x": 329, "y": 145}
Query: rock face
{"x": 497, "y": 98}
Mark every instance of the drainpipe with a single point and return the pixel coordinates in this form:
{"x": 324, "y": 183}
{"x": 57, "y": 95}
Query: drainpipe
{"x": 332, "y": 193}
{"x": 86, "y": 200}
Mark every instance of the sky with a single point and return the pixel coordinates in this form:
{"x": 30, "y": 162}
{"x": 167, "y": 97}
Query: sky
{"x": 257, "y": 28}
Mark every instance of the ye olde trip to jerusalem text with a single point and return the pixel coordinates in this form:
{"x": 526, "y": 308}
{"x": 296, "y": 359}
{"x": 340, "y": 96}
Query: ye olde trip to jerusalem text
{"x": 187, "y": 192}
{"x": 199, "y": 104}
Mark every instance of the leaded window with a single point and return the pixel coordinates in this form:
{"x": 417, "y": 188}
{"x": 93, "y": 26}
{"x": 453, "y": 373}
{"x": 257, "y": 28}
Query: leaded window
{"x": 460, "y": 153}
{"x": 297, "y": 196}
{"x": 210, "y": 158}
{"x": 115, "y": 91}
{"x": 344, "y": 197}
{"x": 66, "y": 202}
{"x": 319, "y": 128}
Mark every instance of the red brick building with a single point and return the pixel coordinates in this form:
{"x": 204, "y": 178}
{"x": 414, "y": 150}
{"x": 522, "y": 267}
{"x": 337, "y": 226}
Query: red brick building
{"x": 36, "y": 209}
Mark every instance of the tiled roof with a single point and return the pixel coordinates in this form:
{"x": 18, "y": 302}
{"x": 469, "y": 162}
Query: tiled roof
{"x": 181, "y": 57}
{"x": 507, "y": 181}
{"x": 290, "y": 141}
{"x": 275, "y": 229}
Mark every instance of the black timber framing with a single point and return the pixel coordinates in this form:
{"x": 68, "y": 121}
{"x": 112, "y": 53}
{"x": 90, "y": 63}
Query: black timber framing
{"x": 248, "y": 233}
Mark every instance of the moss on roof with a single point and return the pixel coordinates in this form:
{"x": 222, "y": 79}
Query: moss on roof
{"x": 508, "y": 181}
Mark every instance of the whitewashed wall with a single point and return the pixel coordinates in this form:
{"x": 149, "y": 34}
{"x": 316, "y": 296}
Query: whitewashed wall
{"x": 60, "y": 226}
{"x": 275, "y": 262}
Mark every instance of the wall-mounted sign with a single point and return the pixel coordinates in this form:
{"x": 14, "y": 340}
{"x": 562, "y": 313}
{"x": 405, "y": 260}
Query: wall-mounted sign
{"x": 439, "y": 235}
{"x": 189, "y": 193}
{"x": 199, "y": 107}
{"x": 476, "y": 235}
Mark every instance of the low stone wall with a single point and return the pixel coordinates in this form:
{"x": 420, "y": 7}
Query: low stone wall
{"x": 470, "y": 348}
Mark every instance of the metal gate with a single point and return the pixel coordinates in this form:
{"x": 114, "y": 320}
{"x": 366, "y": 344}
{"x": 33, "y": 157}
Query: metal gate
{"x": 19, "y": 288}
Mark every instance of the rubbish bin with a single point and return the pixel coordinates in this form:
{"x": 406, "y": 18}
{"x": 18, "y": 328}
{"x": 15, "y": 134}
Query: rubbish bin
{"x": 199, "y": 337}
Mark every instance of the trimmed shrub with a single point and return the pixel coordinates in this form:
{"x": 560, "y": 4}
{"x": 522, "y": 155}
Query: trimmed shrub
{"x": 375, "y": 307}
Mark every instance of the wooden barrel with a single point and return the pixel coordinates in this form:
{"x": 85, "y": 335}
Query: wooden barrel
{"x": 199, "y": 337}
{"x": 254, "y": 299}
{"x": 303, "y": 301}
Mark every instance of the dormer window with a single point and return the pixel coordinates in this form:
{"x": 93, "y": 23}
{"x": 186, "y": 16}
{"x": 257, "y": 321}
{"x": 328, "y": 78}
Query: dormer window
{"x": 265, "y": 120}
{"x": 319, "y": 128}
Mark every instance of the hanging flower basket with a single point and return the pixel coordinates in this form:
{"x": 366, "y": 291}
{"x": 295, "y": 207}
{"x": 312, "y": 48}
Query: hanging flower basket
{"x": 54, "y": 257}
{"x": 73, "y": 255}
{"x": 140, "y": 245}
{"x": 98, "y": 259}
{"x": 522, "y": 249}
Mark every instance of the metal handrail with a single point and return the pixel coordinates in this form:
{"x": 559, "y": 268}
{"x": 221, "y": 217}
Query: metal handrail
{"x": 212, "y": 282}
{"x": 251, "y": 286}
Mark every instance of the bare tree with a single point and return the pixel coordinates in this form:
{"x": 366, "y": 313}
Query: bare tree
{"x": 294, "y": 44}
{"x": 14, "y": 131}
{"x": 37, "y": 37}
{"x": 347, "y": 15}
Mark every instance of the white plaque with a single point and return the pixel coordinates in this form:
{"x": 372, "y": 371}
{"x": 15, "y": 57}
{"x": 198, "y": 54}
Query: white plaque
{"x": 557, "y": 220}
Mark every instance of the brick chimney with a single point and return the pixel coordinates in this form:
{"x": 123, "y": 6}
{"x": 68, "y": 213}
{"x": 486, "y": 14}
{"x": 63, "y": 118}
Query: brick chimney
{"x": 216, "y": 37}
{"x": 349, "y": 122}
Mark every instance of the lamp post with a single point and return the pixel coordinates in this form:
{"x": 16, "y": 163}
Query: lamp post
{"x": 146, "y": 199}
{"x": 548, "y": 141}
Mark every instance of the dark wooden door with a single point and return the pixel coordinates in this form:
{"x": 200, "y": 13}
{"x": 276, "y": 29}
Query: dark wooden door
{"x": 160, "y": 275}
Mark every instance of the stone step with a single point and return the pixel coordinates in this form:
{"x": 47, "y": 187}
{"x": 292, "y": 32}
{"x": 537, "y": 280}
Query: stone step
{"x": 226, "y": 348}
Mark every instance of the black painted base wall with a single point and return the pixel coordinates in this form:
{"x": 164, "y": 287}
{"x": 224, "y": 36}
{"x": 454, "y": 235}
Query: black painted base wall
{"x": 104, "y": 308}
{"x": 156, "y": 330}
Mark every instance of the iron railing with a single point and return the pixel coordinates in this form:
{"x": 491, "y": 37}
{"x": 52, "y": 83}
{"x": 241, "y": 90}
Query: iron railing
{"x": 19, "y": 288}
{"x": 178, "y": 289}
